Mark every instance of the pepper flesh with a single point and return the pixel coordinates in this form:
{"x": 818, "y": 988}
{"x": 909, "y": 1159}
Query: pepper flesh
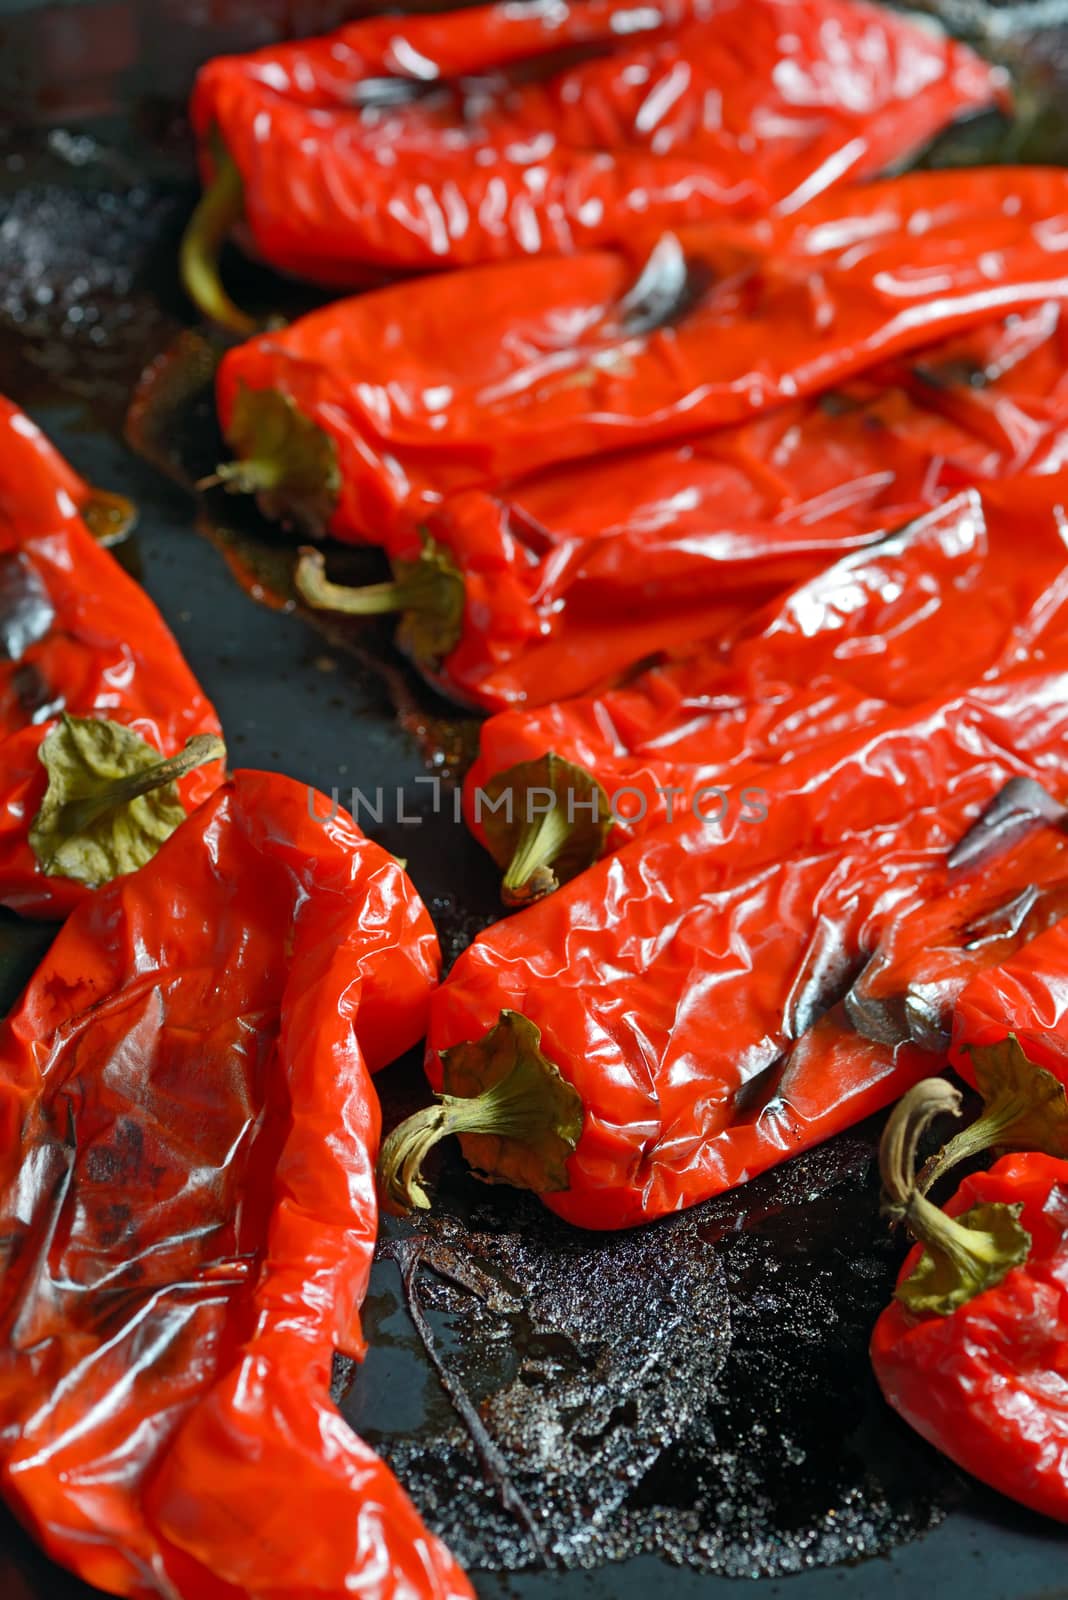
{"x": 186, "y": 1181}
{"x": 476, "y": 135}
{"x": 574, "y": 575}
{"x": 473, "y": 379}
{"x": 702, "y": 966}
{"x": 986, "y": 1384}
{"x": 77, "y": 636}
{"x": 1025, "y": 995}
{"x": 921, "y": 612}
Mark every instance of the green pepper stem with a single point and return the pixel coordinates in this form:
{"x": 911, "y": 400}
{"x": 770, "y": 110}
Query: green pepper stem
{"x": 221, "y": 205}
{"x": 374, "y": 599}
{"x": 1024, "y": 1108}
{"x": 517, "y": 1116}
{"x": 539, "y": 852}
{"x": 983, "y": 1134}
{"x": 900, "y": 1143}
{"x": 963, "y": 1255}
{"x": 78, "y": 815}
{"x": 512, "y": 1108}
{"x": 529, "y": 875}
{"x": 251, "y": 476}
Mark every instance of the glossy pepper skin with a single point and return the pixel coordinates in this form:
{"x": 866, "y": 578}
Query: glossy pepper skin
{"x": 186, "y": 1173}
{"x": 473, "y": 136}
{"x": 573, "y": 575}
{"x": 1025, "y": 995}
{"x": 77, "y": 635}
{"x": 924, "y": 611}
{"x": 686, "y": 988}
{"x": 986, "y": 1384}
{"x": 473, "y": 379}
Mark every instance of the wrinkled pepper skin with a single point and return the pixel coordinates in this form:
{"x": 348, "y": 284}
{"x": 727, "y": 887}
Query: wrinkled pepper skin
{"x": 922, "y": 611}
{"x": 1026, "y": 995}
{"x": 473, "y": 379}
{"x": 76, "y": 635}
{"x": 448, "y": 140}
{"x": 986, "y": 1384}
{"x": 687, "y": 986}
{"x": 625, "y": 556}
{"x": 187, "y": 1185}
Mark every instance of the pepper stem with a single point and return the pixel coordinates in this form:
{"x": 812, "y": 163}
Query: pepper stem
{"x": 1024, "y": 1108}
{"x": 78, "y": 815}
{"x": 963, "y": 1255}
{"x": 245, "y": 477}
{"x": 220, "y": 206}
{"x": 416, "y": 592}
{"x": 545, "y": 821}
{"x": 428, "y": 593}
{"x": 530, "y": 872}
{"x": 517, "y": 1117}
{"x": 111, "y": 801}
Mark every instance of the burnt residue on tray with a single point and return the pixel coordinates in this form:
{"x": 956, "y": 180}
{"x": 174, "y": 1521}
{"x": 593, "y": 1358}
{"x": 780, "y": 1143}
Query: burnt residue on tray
{"x": 698, "y": 1388}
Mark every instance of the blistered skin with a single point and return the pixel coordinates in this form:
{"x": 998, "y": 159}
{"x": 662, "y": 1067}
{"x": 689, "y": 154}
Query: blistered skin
{"x": 1026, "y": 995}
{"x": 189, "y": 1214}
{"x": 510, "y": 130}
{"x": 922, "y": 611}
{"x": 689, "y": 986}
{"x": 472, "y": 379}
{"x": 573, "y": 575}
{"x": 987, "y": 1384}
{"x": 76, "y": 635}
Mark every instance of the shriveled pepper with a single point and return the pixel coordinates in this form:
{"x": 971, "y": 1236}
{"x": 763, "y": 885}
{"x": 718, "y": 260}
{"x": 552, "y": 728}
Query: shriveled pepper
{"x": 671, "y": 1021}
{"x": 107, "y": 737}
{"x": 922, "y": 611}
{"x": 972, "y": 1350}
{"x": 358, "y": 419}
{"x": 1025, "y": 996}
{"x": 186, "y": 1181}
{"x": 507, "y": 599}
{"x": 477, "y": 135}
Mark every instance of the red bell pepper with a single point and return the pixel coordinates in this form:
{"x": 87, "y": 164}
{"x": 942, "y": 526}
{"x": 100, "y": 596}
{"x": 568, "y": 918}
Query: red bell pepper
{"x": 359, "y": 419}
{"x": 1026, "y": 996}
{"x": 921, "y": 612}
{"x": 94, "y": 693}
{"x": 476, "y": 135}
{"x": 972, "y": 1350}
{"x": 665, "y": 1026}
{"x": 187, "y": 1189}
{"x": 502, "y": 608}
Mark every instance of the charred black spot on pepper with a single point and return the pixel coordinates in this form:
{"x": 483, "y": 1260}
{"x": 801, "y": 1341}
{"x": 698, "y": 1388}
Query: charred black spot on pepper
{"x": 26, "y": 611}
{"x": 36, "y": 698}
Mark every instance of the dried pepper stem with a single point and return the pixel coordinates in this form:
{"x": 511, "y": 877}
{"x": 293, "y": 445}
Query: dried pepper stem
{"x": 1024, "y": 1108}
{"x": 77, "y": 815}
{"x": 221, "y": 205}
{"x": 963, "y": 1255}
{"x": 427, "y": 592}
{"x": 517, "y": 1117}
{"x": 545, "y": 821}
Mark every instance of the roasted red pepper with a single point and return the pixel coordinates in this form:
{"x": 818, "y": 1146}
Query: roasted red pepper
{"x": 502, "y": 131}
{"x": 972, "y": 1351}
{"x": 920, "y": 613}
{"x": 670, "y": 1022}
{"x": 99, "y": 714}
{"x": 509, "y": 599}
{"x": 187, "y": 1188}
{"x": 473, "y": 379}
